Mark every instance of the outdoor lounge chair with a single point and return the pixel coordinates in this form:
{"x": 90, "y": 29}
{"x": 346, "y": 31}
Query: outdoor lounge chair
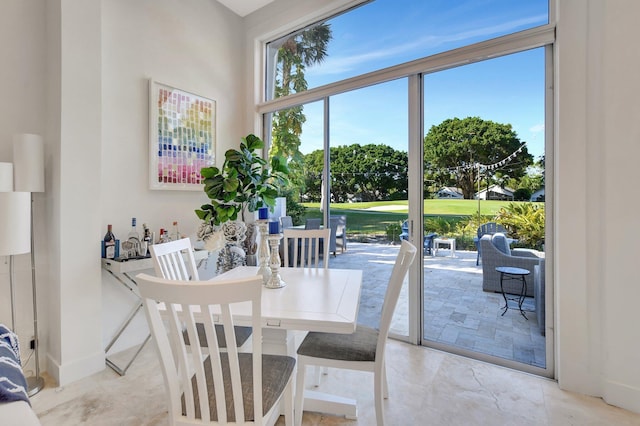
{"x": 496, "y": 252}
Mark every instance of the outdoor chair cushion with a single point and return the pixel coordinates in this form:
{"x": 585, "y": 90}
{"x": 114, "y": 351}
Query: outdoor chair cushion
{"x": 500, "y": 241}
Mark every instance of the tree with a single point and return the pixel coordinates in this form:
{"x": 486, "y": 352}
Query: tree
{"x": 296, "y": 53}
{"x": 456, "y": 150}
{"x": 371, "y": 172}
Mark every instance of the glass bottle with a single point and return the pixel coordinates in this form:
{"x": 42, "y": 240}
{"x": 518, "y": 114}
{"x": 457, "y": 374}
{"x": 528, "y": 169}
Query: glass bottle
{"x": 175, "y": 234}
{"x": 133, "y": 234}
{"x": 146, "y": 240}
{"x": 110, "y": 247}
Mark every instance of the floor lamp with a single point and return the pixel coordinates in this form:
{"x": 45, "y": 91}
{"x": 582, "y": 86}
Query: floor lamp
{"x": 15, "y": 235}
{"x": 28, "y": 176}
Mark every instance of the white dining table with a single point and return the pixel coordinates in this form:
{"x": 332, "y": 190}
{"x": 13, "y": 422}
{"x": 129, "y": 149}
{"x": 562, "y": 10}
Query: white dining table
{"x": 312, "y": 300}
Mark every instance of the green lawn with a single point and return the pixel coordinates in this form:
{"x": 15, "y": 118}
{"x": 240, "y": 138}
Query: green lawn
{"x": 371, "y": 219}
{"x": 431, "y": 207}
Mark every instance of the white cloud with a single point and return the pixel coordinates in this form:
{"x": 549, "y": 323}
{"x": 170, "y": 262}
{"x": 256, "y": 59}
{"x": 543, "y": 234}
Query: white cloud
{"x": 538, "y": 128}
{"x": 341, "y": 64}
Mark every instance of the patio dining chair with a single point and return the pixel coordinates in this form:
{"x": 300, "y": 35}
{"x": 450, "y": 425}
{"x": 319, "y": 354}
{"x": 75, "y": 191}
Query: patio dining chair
{"x": 215, "y": 387}
{"x": 174, "y": 260}
{"x": 427, "y": 240}
{"x": 363, "y": 350}
{"x": 286, "y": 222}
{"x": 313, "y": 223}
{"x": 341, "y": 230}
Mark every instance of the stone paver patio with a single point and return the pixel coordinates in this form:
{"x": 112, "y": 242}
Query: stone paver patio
{"x": 457, "y": 311}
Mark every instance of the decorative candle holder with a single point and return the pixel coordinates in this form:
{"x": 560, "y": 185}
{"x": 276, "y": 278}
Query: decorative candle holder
{"x": 275, "y": 281}
{"x": 263, "y": 250}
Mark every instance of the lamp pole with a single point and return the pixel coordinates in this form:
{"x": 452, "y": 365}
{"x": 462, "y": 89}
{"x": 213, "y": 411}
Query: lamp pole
{"x": 478, "y": 166}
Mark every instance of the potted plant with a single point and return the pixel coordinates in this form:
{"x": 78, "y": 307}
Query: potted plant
{"x": 244, "y": 183}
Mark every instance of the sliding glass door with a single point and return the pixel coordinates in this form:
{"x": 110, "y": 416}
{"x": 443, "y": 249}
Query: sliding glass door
{"x": 484, "y": 150}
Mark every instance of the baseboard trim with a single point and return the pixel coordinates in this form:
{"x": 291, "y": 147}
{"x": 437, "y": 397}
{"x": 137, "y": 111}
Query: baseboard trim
{"x": 622, "y": 395}
{"x": 76, "y": 370}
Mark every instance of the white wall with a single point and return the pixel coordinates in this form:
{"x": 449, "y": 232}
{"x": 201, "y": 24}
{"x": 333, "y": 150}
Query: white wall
{"x": 23, "y": 85}
{"x": 597, "y": 233}
{"x": 79, "y": 77}
{"x": 195, "y": 46}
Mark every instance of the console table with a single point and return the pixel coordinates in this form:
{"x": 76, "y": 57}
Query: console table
{"x": 122, "y": 272}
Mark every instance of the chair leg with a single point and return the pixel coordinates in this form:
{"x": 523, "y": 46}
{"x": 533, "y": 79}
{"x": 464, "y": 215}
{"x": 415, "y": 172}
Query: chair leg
{"x": 288, "y": 404}
{"x": 385, "y": 384}
{"x": 317, "y": 371}
{"x": 379, "y": 386}
{"x": 299, "y": 394}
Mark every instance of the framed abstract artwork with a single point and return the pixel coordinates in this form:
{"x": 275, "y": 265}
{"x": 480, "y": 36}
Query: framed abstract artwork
{"x": 182, "y": 137}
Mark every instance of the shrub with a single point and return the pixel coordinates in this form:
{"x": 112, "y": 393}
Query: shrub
{"x": 525, "y": 221}
{"x": 393, "y": 231}
{"x": 443, "y": 226}
{"x": 294, "y": 208}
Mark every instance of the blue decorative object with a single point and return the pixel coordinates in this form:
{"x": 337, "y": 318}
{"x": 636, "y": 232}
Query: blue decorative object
{"x": 274, "y": 227}
{"x": 263, "y": 213}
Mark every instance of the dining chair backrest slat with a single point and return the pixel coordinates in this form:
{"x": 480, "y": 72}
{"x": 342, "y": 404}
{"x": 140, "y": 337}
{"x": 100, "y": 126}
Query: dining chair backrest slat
{"x": 305, "y": 247}
{"x": 174, "y": 260}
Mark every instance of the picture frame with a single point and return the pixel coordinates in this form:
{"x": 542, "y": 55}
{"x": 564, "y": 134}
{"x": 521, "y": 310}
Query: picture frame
{"x": 182, "y": 137}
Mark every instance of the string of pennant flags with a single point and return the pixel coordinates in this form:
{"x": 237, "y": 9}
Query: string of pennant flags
{"x": 502, "y": 162}
{"x": 403, "y": 168}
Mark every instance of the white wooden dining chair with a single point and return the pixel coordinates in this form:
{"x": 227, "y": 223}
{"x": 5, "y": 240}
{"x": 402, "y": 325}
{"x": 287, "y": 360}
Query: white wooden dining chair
{"x": 214, "y": 387}
{"x": 174, "y": 260}
{"x": 302, "y": 247}
{"x": 363, "y": 350}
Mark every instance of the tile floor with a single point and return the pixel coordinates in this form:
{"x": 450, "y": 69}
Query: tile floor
{"x": 426, "y": 387}
{"x": 457, "y": 311}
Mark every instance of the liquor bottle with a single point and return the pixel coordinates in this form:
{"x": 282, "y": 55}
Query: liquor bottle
{"x": 146, "y": 240}
{"x": 175, "y": 234}
{"x": 110, "y": 247}
{"x": 146, "y": 234}
{"x": 133, "y": 234}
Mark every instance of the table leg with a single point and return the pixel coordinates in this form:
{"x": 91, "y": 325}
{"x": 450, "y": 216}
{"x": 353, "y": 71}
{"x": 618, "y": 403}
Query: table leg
{"x": 522, "y": 296}
{"x": 504, "y": 296}
{"x": 128, "y": 283}
{"x": 520, "y": 299}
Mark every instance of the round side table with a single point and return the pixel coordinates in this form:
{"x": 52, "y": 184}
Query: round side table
{"x": 511, "y": 273}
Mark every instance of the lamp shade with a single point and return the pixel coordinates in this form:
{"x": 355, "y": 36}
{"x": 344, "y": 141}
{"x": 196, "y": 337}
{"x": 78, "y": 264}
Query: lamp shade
{"x": 15, "y": 224}
{"x": 28, "y": 163}
{"x": 6, "y": 177}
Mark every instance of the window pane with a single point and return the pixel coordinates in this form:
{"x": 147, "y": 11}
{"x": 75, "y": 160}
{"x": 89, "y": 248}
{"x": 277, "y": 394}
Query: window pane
{"x": 385, "y": 33}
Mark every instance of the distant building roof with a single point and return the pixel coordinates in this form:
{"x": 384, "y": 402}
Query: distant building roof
{"x": 495, "y": 193}
{"x": 538, "y": 195}
{"x": 449, "y": 192}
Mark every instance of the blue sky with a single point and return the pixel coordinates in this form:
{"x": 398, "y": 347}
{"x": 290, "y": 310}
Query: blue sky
{"x": 389, "y": 32}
